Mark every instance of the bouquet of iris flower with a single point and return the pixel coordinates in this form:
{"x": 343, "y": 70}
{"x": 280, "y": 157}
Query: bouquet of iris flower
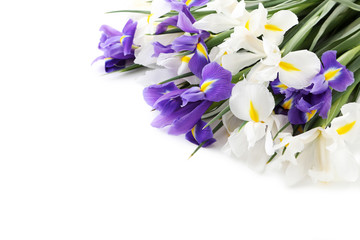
{"x": 281, "y": 76}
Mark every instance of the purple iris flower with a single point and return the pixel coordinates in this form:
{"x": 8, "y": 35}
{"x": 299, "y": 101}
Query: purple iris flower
{"x": 167, "y": 99}
{"x": 303, "y": 104}
{"x": 198, "y": 135}
{"x": 195, "y": 44}
{"x": 117, "y": 46}
{"x": 182, "y": 109}
{"x": 215, "y": 85}
{"x": 332, "y": 74}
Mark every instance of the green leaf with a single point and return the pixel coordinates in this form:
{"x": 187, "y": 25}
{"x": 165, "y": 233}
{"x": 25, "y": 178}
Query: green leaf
{"x": 178, "y": 77}
{"x": 330, "y": 23}
{"x": 130, "y": 11}
{"x": 222, "y": 113}
{"x": 298, "y": 34}
{"x": 218, "y": 39}
{"x": 349, "y": 4}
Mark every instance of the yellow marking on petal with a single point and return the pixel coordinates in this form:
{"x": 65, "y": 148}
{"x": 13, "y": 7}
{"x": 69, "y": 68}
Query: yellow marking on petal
{"x": 345, "y": 129}
{"x": 202, "y": 50}
{"x": 283, "y": 86}
{"x": 122, "y": 38}
{"x": 188, "y": 2}
{"x": 287, "y": 105}
{"x": 330, "y": 75}
{"x": 193, "y": 132}
{"x": 206, "y": 85}
{"x": 310, "y": 115}
{"x": 225, "y": 53}
{"x": 148, "y": 19}
{"x": 185, "y": 59}
{"x": 253, "y": 113}
{"x": 247, "y": 25}
{"x": 288, "y": 67}
{"x": 109, "y": 58}
{"x": 272, "y": 27}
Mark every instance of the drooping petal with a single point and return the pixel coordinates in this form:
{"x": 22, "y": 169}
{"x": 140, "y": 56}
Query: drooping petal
{"x": 198, "y": 135}
{"x": 159, "y": 48}
{"x": 185, "y": 24}
{"x": 154, "y": 92}
{"x": 163, "y": 26}
{"x": 298, "y": 68}
{"x": 185, "y": 43}
{"x": 128, "y": 37}
{"x": 200, "y": 59}
{"x": 338, "y": 77}
{"x": 186, "y": 122}
{"x": 251, "y": 101}
{"x": 279, "y": 23}
{"x": 216, "y": 82}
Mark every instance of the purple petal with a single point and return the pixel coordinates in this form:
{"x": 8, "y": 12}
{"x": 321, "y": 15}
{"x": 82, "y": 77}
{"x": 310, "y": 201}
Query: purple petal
{"x": 216, "y": 82}
{"x": 129, "y": 31}
{"x": 200, "y": 59}
{"x": 278, "y": 87}
{"x": 185, "y": 24}
{"x": 109, "y": 31}
{"x": 112, "y": 65}
{"x": 338, "y": 77}
{"x": 296, "y": 116}
{"x": 319, "y": 85}
{"x": 167, "y": 97}
{"x": 185, "y": 123}
{"x": 154, "y": 92}
{"x": 185, "y": 43}
{"x": 198, "y": 135}
{"x": 192, "y": 95}
{"x": 159, "y": 48}
{"x": 326, "y": 99}
{"x": 163, "y": 26}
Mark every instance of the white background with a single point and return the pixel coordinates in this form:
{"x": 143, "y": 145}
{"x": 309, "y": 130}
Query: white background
{"x": 79, "y": 159}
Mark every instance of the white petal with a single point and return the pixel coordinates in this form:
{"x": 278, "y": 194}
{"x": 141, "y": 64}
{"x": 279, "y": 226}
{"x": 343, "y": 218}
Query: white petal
{"x": 257, "y": 157}
{"x": 160, "y": 7}
{"x": 242, "y": 38}
{"x": 231, "y": 122}
{"x": 251, "y": 101}
{"x": 298, "y": 68}
{"x": 223, "y": 6}
{"x": 269, "y": 143}
{"x": 348, "y": 125}
{"x": 240, "y": 12}
{"x": 345, "y": 165}
{"x": 237, "y": 61}
{"x": 142, "y": 56}
{"x": 238, "y": 143}
{"x": 257, "y": 21}
{"x": 279, "y": 23}
{"x": 254, "y": 132}
{"x": 216, "y": 23}
{"x": 262, "y": 73}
